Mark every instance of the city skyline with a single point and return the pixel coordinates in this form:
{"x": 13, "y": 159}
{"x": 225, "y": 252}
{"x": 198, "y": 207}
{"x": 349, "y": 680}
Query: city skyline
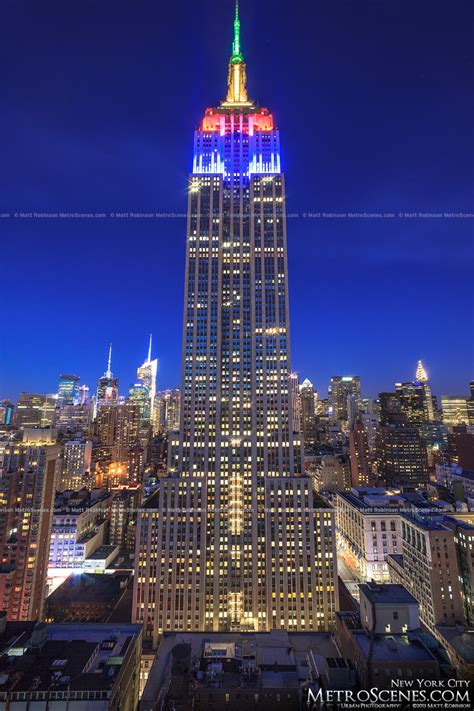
{"x": 414, "y": 272}
{"x": 214, "y": 500}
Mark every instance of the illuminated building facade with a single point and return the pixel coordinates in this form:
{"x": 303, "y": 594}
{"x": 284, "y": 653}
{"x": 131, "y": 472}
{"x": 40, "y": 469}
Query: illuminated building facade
{"x": 359, "y": 453}
{"x": 107, "y": 385}
{"x": 77, "y": 457}
{"x": 27, "y": 486}
{"x": 146, "y": 375}
{"x": 255, "y": 548}
{"x": 455, "y": 410}
{"x": 308, "y": 401}
{"x": 33, "y": 410}
{"x": 340, "y": 389}
{"x": 68, "y": 389}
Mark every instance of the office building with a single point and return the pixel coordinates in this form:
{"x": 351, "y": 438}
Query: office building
{"x": 118, "y": 428}
{"x": 123, "y": 514}
{"x": 330, "y": 473}
{"x": 147, "y": 374}
{"x": 76, "y": 469}
{"x": 27, "y": 487}
{"x": 167, "y": 411}
{"x": 341, "y": 388}
{"x": 428, "y": 569}
{"x": 368, "y": 529}
{"x": 68, "y": 389}
{"x": 402, "y": 458}
{"x": 463, "y": 527}
{"x": 359, "y": 455}
{"x": 257, "y": 549}
{"x": 33, "y": 410}
{"x": 308, "y": 398}
{"x": 79, "y": 526}
{"x": 107, "y": 385}
{"x": 74, "y": 419}
{"x": 6, "y": 413}
{"x": 455, "y": 410}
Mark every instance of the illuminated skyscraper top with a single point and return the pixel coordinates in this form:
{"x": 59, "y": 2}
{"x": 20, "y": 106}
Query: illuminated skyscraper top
{"x": 107, "y": 385}
{"x": 147, "y": 374}
{"x": 421, "y": 374}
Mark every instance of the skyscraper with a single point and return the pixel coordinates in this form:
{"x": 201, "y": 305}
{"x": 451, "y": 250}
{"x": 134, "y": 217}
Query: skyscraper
{"x": 342, "y": 387}
{"x": 107, "y": 385}
{"x": 68, "y": 389}
{"x": 146, "y": 374}
{"x": 255, "y": 547}
{"x": 34, "y": 410}
{"x": 308, "y": 401}
{"x": 28, "y": 480}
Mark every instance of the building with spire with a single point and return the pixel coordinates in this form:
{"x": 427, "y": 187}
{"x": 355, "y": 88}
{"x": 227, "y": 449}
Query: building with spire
{"x": 256, "y": 547}
{"x": 146, "y": 374}
{"x": 107, "y": 385}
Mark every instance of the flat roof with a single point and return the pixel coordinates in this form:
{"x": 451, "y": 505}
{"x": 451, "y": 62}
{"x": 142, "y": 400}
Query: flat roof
{"x": 388, "y": 594}
{"x": 393, "y": 648}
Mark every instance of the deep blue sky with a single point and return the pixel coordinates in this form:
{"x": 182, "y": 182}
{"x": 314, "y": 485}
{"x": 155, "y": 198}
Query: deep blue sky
{"x": 375, "y": 106}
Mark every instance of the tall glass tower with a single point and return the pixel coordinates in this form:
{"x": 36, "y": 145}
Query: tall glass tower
{"x": 248, "y": 545}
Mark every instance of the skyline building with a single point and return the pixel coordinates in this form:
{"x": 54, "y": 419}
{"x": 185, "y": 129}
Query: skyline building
{"x": 28, "y": 479}
{"x": 455, "y": 410}
{"x": 107, "y": 385}
{"x": 68, "y": 389}
{"x": 147, "y": 374}
{"x": 256, "y": 548}
{"x": 340, "y": 389}
{"x": 34, "y": 410}
{"x": 308, "y": 398}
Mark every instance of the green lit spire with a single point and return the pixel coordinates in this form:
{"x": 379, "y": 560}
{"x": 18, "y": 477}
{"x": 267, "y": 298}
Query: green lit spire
{"x": 236, "y": 55}
{"x": 237, "y": 77}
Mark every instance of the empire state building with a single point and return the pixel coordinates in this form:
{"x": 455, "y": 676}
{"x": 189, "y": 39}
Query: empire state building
{"x": 235, "y": 538}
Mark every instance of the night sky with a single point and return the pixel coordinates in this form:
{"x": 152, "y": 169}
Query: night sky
{"x": 375, "y": 107}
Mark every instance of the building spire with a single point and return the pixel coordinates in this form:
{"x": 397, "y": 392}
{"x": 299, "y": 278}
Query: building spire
{"x": 109, "y": 363}
{"x": 237, "y": 78}
{"x": 149, "y": 348}
{"x": 236, "y": 43}
{"x": 421, "y": 374}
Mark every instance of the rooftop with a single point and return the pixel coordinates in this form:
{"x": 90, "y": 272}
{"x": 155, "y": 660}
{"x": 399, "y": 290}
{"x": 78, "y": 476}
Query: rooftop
{"x": 280, "y": 656}
{"x": 388, "y": 594}
{"x": 88, "y": 588}
{"x": 61, "y": 657}
{"x": 393, "y": 648}
{"x": 461, "y": 639}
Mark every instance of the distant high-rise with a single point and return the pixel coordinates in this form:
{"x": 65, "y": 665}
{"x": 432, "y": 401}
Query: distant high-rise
{"x": 342, "y": 387}
{"x": 118, "y": 426}
{"x": 455, "y": 410}
{"x": 6, "y": 413}
{"x": 359, "y": 453}
{"x": 401, "y": 453}
{"x": 77, "y": 455}
{"x": 416, "y": 399}
{"x": 147, "y": 374}
{"x": 167, "y": 410}
{"x": 257, "y": 550}
{"x": 33, "y": 410}
{"x": 107, "y": 385}
{"x": 308, "y": 401}
{"x": 68, "y": 389}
